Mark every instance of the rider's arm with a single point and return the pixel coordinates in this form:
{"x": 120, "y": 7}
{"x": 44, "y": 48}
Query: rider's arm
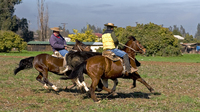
{"x": 116, "y": 42}
{"x": 55, "y": 44}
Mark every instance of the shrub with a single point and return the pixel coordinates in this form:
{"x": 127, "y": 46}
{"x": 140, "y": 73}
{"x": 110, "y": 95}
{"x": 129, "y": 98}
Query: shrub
{"x": 158, "y": 41}
{"x": 11, "y": 40}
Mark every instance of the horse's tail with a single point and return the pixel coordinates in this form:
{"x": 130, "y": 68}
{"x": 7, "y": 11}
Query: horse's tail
{"x": 24, "y": 64}
{"x": 77, "y": 72}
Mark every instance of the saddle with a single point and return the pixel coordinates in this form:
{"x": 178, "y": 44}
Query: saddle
{"x": 57, "y": 54}
{"x": 110, "y": 55}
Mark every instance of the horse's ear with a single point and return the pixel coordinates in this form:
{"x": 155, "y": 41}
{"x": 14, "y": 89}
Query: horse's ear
{"x": 77, "y": 41}
{"x": 132, "y": 38}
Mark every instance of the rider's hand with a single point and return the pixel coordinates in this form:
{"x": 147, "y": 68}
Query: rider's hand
{"x": 66, "y": 47}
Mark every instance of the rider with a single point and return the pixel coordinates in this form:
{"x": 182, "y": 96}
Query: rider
{"x": 110, "y": 42}
{"x": 59, "y": 44}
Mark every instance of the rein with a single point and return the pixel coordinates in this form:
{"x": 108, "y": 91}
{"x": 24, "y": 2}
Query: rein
{"x": 79, "y": 48}
{"x": 132, "y": 48}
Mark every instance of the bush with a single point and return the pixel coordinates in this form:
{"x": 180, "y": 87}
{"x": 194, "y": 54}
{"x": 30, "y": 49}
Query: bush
{"x": 11, "y": 40}
{"x": 88, "y": 36}
{"x": 158, "y": 41}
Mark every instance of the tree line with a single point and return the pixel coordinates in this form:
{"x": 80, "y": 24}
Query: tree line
{"x": 157, "y": 39}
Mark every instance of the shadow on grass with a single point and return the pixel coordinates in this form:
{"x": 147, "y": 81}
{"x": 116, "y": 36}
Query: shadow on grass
{"x": 55, "y": 92}
{"x": 126, "y": 95}
{"x": 99, "y": 95}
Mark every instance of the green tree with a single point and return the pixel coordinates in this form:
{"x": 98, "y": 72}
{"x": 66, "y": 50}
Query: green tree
{"x": 23, "y": 30}
{"x": 189, "y": 39}
{"x": 8, "y": 21}
{"x": 93, "y": 28}
{"x": 11, "y": 40}
{"x": 158, "y": 41}
{"x": 88, "y": 36}
{"x": 197, "y": 34}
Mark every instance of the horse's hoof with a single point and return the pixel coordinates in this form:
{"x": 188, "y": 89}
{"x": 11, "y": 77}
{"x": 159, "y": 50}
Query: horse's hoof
{"x": 45, "y": 86}
{"x": 152, "y": 91}
{"x": 71, "y": 86}
{"x": 131, "y": 87}
{"x": 98, "y": 101}
{"x": 55, "y": 88}
{"x": 114, "y": 94}
{"x": 98, "y": 89}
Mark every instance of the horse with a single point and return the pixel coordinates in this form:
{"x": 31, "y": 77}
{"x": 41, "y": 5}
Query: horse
{"x": 98, "y": 67}
{"x": 45, "y": 62}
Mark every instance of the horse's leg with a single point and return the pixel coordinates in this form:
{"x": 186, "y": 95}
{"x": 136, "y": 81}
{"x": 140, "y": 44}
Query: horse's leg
{"x": 115, "y": 81}
{"x": 105, "y": 83}
{"x": 79, "y": 84}
{"x": 101, "y": 85}
{"x": 95, "y": 81}
{"x": 81, "y": 79}
{"x": 39, "y": 78}
{"x": 134, "y": 84}
{"x": 73, "y": 85}
{"x": 138, "y": 78}
{"x": 45, "y": 79}
{"x": 85, "y": 86}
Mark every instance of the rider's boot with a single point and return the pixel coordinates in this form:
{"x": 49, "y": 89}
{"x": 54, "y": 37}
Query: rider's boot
{"x": 65, "y": 67}
{"x": 128, "y": 67}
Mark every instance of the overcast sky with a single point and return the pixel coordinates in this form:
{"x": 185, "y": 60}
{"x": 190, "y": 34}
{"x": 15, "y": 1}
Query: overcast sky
{"x": 78, "y": 13}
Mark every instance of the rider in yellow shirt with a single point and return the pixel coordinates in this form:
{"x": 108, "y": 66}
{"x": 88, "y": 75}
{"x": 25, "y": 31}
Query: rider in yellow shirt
{"x": 110, "y": 42}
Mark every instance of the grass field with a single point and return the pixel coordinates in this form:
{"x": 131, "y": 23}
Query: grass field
{"x": 175, "y": 80}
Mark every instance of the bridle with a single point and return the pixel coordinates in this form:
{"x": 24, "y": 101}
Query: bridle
{"x": 79, "y": 48}
{"x": 132, "y": 48}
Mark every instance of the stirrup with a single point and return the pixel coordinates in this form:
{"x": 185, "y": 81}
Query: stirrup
{"x": 133, "y": 70}
{"x": 64, "y": 69}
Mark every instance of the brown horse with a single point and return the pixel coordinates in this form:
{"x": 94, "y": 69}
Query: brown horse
{"x": 98, "y": 67}
{"x": 45, "y": 63}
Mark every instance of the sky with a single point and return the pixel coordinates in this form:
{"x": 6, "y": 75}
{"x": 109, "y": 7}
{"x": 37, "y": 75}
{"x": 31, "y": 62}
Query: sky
{"x": 78, "y": 13}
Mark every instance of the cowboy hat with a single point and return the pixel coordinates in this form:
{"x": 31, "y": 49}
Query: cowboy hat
{"x": 56, "y": 29}
{"x": 110, "y": 24}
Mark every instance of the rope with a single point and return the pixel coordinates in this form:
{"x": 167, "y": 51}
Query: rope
{"x": 79, "y": 48}
{"x": 128, "y": 47}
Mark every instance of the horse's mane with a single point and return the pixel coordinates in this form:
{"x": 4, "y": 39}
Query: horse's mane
{"x": 130, "y": 38}
{"x": 76, "y": 58}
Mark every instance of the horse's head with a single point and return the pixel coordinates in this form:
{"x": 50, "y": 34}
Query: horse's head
{"x": 135, "y": 46}
{"x": 79, "y": 46}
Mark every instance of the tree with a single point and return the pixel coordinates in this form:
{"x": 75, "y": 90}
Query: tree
{"x": 43, "y": 19}
{"x": 23, "y": 30}
{"x": 158, "y": 41}
{"x": 178, "y": 31}
{"x": 8, "y": 21}
{"x": 93, "y": 28}
{"x": 88, "y": 36}
{"x": 197, "y": 34}
{"x": 11, "y": 40}
{"x": 189, "y": 39}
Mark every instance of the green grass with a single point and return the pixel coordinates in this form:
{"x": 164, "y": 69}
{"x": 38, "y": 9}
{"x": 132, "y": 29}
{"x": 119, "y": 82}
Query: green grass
{"x": 176, "y": 89}
{"x": 192, "y": 58}
{"x": 24, "y": 53}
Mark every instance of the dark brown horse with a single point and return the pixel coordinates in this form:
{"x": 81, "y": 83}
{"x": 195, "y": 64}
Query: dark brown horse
{"x": 45, "y": 63}
{"x": 98, "y": 67}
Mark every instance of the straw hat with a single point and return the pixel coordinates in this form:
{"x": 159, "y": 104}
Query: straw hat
{"x": 56, "y": 29}
{"x": 110, "y": 24}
